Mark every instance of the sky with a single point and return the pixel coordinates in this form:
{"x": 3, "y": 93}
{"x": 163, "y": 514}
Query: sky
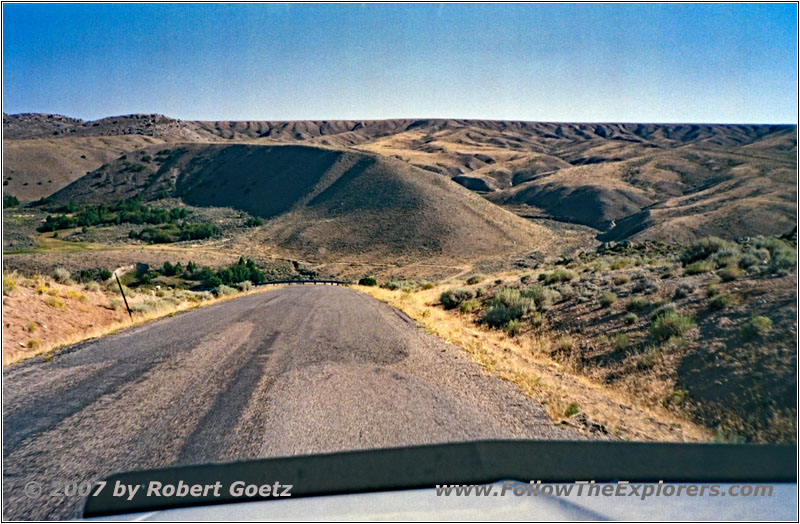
{"x": 720, "y": 63}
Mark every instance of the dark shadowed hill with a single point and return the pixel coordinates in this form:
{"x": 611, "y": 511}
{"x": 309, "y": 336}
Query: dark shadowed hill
{"x": 324, "y": 201}
{"x": 668, "y": 181}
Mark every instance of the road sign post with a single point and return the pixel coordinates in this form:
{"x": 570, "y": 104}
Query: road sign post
{"x": 123, "y": 296}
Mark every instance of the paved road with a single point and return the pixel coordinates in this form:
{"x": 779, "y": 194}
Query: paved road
{"x": 304, "y": 369}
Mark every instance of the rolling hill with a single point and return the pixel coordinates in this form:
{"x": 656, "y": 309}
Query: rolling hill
{"x": 674, "y": 195}
{"x": 627, "y": 181}
{"x": 323, "y": 201}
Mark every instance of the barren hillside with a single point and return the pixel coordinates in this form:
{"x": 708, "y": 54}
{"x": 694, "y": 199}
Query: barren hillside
{"x": 324, "y": 202}
{"x": 634, "y": 181}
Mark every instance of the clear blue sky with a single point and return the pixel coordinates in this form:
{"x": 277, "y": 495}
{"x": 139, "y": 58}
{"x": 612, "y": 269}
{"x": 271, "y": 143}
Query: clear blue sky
{"x": 546, "y": 62}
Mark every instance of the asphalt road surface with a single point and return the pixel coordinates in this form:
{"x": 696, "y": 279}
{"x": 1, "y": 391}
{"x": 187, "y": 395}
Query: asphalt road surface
{"x": 298, "y": 370}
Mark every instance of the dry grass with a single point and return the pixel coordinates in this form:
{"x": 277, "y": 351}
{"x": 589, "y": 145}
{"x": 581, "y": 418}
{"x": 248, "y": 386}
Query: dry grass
{"x": 39, "y": 167}
{"x": 86, "y": 316}
{"x": 525, "y": 362}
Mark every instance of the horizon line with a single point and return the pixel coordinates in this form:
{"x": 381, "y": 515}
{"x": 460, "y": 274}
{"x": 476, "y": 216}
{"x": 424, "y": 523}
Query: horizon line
{"x": 123, "y": 115}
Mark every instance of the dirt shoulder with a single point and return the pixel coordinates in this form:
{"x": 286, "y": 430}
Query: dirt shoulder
{"x": 569, "y": 398}
{"x": 41, "y": 315}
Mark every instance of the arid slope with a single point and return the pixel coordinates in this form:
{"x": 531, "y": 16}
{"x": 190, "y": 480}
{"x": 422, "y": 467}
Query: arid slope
{"x": 628, "y": 181}
{"x": 325, "y": 202}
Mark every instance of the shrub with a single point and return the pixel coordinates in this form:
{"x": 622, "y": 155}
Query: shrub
{"x": 512, "y": 298}
{"x": 223, "y": 290}
{"x": 32, "y": 344}
{"x": 637, "y": 304}
{"x": 8, "y": 285}
{"x": 721, "y": 301}
{"x": 253, "y": 222}
{"x": 408, "y": 286}
{"x": 198, "y": 231}
{"x": 621, "y": 342}
{"x": 145, "y": 307}
{"x": 564, "y": 343}
{"x": 571, "y": 410}
{"x": 726, "y": 257}
{"x": 757, "y": 326}
{"x": 783, "y": 260}
{"x": 512, "y": 327}
{"x": 670, "y": 324}
{"x": 621, "y": 263}
{"x": 134, "y": 168}
{"x": 704, "y": 248}
{"x": 560, "y": 275}
{"x": 452, "y": 298}
{"x": 155, "y": 236}
{"x": 498, "y": 315}
{"x": 61, "y": 275}
{"x": 645, "y": 285}
{"x": 231, "y": 275}
{"x": 677, "y": 396}
{"x": 123, "y": 211}
{"x": 773, "y": 245}
{"x": 244, "y": 286}
{"x": 673, "y": 344}
{"x": 474, "y": 279}
{"x": 10, "y": 201}
{"x": 565, "y": 290}
{"x": 541, "y": 295}
{"x": 211, "y": 282}
{"x": 621, "y": 279}
{"x": 367, "y": 281}
{"x": 631, "y": 318}
{"x": 468, "y": 306}
{"x": 748, "y": 260}
{"x": 536, "y": 319}
{"x": 649, "y": 357}
{"x": 660, "y": 310}
{"x": 199, "y": 296}
{"x": 729, "y": 273}
{"x": 607, "y": 298}
{"x": 115, "y": 304}
{"x": 713, "y": 290}
{"x": 683, "y": 290}
{"x": 696, "y": 268}
{"x": 167, "y": 269}
{"x": 762, "y": 255}
{"x": 393, "y": 284}
{"x": 55, "y": 302}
